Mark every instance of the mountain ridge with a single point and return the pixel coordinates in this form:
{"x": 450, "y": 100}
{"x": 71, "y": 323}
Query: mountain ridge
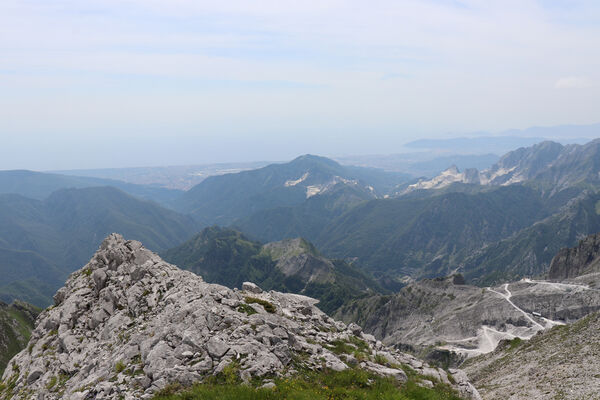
{"x": 225, "y": 198}
{"x": 549, "y": 165}
{"x": 43, "y": 241}
{"x": 40, "y": 185}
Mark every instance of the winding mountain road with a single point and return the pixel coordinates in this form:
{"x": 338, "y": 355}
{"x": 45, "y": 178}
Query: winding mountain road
{"x": 557, "y": 285}
{"x": 488, "y": 336}
{"x": 507, "y": 297}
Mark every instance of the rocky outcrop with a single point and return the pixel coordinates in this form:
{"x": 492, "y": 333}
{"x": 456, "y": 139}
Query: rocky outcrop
{"x": 299, "y": 258}
{"x": 580, "y": 260}
{"x": 127, "y": 324}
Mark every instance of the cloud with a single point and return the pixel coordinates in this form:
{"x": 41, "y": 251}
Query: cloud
{"x": 573, "y": 82}
{"x": 313, "y": 67}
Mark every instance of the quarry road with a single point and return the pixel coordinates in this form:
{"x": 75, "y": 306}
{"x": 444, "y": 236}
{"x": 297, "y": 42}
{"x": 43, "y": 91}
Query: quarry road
{"x": 507, "y": 297}
{"x": 557, "y": 285}
{"x": 492, "y": 340}
{"x": 488, "y": 337}
{"x": 550, "y": 323}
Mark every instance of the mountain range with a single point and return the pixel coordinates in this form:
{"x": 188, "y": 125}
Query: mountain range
{"x": 446, "y": 320}
{"x": 39, "y": 185}
{"x": 226, "y": 198}
{"x": 551, "y": 166}
{"x": 42, "y": 241}
{"x": 503, "y": 223}
{"x": 466, "y": 265}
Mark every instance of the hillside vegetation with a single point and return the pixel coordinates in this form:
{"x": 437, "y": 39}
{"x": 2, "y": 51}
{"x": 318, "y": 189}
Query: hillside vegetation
{"x": 41, "y": 242}
{"x": 16, "y": 323}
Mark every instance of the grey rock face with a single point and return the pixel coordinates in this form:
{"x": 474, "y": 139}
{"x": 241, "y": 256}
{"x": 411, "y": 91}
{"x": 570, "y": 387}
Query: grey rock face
{"x": 127, "y": 324}
{"x": 576, "y": 261}
{"x": 549, "y": 162}
{"x": 251, "y": 287}
{"x": 296, "y": 257}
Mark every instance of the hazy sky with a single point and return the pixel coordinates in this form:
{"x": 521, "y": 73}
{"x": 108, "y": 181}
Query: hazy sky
{"x": 101, "y": 83}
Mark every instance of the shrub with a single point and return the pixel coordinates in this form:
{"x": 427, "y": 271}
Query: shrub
{"x": 269, "y": 307}
{"x": 120, "y": 367}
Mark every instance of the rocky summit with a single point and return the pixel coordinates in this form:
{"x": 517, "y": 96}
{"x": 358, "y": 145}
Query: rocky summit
{"x": 128, "y": 324}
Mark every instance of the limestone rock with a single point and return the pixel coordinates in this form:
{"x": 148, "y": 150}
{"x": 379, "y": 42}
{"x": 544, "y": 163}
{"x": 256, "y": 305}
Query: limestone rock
{"x": 251, "y": 287}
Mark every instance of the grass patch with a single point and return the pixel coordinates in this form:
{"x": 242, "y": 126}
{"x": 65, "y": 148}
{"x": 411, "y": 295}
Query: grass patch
{"x": 269, "y": 307}
{"x": 514, "y": 343}
{"x": 340, "y": 347}
{"x": 355, "y": 346}
{"x": 379, "y": 359}
{"x": 51, "y": 382}
{"x": 360, "y": 344}
{"x": 352, "y": 384}
{"x": 120, "y": 367}
{"x": 245, "y": 308}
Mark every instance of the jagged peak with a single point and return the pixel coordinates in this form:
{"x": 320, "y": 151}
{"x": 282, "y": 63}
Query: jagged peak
{"x": 452, "y": 169}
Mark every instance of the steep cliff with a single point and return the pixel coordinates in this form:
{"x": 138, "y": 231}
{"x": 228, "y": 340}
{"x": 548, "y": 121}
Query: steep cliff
{"x": 576, "y": 261}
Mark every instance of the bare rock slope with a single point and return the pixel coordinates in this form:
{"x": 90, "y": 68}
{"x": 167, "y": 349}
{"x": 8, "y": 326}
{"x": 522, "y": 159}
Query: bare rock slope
{"x": 562, "y": 363}
{"x": 128, "y": 324}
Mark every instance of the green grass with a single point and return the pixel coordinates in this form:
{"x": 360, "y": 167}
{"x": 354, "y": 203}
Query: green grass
{"x": 514, "y": 343}
{"x": 353, "y": 384}
{"x": 245, "y": 308}
{"x": 51, "y": 383}
{"x": 15, "y": 329}
{"x": 269, "y": 307}
{"x": 120, "y": 367}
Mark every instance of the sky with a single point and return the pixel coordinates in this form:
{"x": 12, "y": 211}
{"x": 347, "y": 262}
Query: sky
{"x": 118, "y": 83}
